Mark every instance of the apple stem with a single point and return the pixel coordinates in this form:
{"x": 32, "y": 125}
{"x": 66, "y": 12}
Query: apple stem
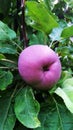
{"x": 23, "y": 24}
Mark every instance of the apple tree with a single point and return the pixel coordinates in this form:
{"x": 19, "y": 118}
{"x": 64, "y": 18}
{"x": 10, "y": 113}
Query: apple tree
{"x": 24, "y": 24}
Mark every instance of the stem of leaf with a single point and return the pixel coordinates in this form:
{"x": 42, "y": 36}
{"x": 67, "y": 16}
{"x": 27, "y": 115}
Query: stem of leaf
{"x": 9, "y": 104}
{"x": 14, "y": 92}
{"x": 17, "y": 45}
{"x": 19, "y": 91}
{"x": 8, "y": 68}
{"x": 58, "y": 113}
{"x": 7, "y": 60}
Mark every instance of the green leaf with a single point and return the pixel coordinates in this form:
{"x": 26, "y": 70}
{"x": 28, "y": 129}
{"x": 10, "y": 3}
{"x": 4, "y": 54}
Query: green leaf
{"x": 40, "y": 17}
{"x": 55, "y": 116}
{"x": 10, "y": 121}
{"x": 10, "y": 64}
{"x": 67, "y": 32}
{"x": 7, "y": 31}
{"x": 56, "y": 34}
{"x": 7, "y": 48}
{"x": 66, "y": 93}
{"x": 27, "y": 108}
{"x": 7, "y": 116}
{"x": 69, "y": 3}
{"x": 49, "y": 4}
{"x": 3, "y": 37}
{"x": 40, "y": 37}
{"x": 63, "y": 50}
{"x": 6, "y": 37}
{"x": 65, "y": 75}
{"x": 7, "y": 63}
{"x": 2, "y": 56}
{"x": 6, "y": 79}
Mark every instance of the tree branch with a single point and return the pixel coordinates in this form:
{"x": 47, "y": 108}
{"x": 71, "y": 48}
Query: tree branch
{"x": 23, "y": 24}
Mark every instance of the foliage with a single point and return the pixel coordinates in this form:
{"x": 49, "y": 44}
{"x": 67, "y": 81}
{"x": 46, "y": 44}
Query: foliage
{"x": 25, "y": 113}
{"x": 35, "y": 11}
{"x": 45, "y": 22}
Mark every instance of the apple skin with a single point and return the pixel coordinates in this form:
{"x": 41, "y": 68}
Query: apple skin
{"x": 39, "y": 66}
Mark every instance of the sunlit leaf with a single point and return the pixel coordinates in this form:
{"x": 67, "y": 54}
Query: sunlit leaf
{"x": 67, "y": 32}
{"x": 40, "y": 17}
{"x": 66, "y": 93}
{"x": 2, "y": 56}
{"x": 56, "y": 34}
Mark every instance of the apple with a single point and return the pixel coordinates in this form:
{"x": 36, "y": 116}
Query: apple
{"x": 39, "y": 66}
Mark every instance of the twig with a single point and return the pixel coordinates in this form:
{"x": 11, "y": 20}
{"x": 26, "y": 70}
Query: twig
{"x": 23, "y": 24}
{"x": 9, "y": 68}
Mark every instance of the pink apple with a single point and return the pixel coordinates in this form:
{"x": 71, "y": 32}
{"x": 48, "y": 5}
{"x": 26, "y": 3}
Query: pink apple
{"x": 39, "y": 66}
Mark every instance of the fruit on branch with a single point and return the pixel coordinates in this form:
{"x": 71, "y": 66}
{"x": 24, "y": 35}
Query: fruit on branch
{"x": 39, "y": 66}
